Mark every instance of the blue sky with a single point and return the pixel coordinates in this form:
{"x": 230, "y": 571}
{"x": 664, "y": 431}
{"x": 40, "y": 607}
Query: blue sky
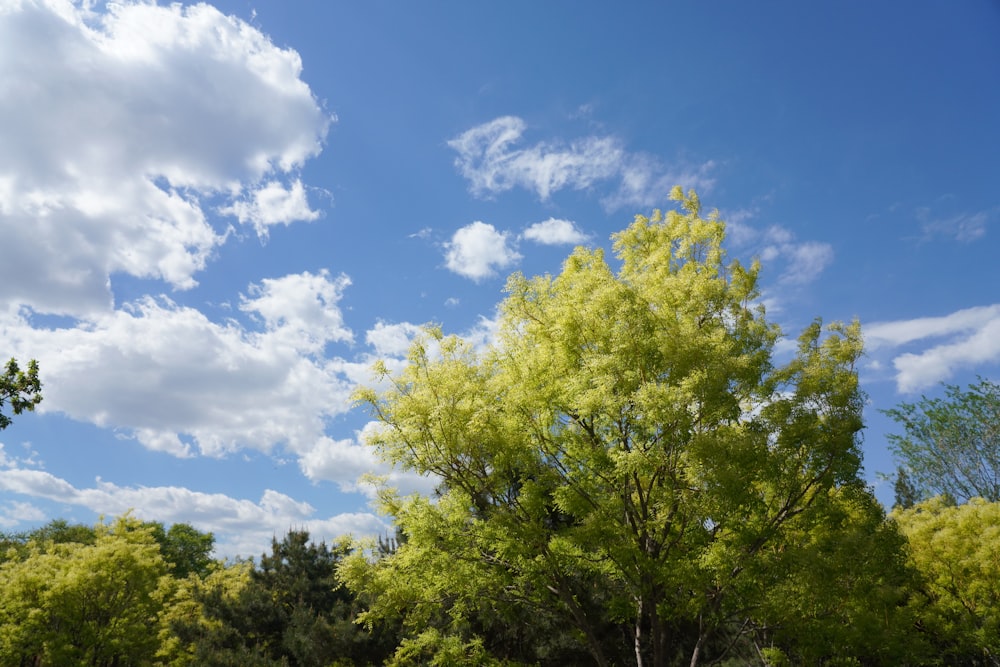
{"x": 213, "y": 218}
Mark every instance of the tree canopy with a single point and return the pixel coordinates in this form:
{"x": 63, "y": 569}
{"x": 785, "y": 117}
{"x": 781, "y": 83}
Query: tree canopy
{"x": 21, "y": 389}
{"x": 950, "y": 446}
{"x": 91, "y": 602}
{"x": 956, "y": 549}
{"x": 623, "y": 470}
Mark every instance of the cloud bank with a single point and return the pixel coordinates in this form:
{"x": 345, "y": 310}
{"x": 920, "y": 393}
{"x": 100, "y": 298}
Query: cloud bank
{"x": 122, "y": 130}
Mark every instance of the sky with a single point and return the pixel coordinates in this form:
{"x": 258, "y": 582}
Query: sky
{"x": 215, "y": 217}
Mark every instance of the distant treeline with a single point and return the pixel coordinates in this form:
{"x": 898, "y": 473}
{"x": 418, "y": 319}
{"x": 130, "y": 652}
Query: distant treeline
{"x": 920, "y": 588}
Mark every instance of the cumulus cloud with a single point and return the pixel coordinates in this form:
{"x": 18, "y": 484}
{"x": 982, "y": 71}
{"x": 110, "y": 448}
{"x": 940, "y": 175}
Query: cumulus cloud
{"x": 14, "y": 513}
{"x": 242, "y": 527}
{"x": 391, "y": 340}
{"x": 490, "y": 157}
{"x": 174, "y": 379}
{"x": 120, "y": 129}
{"x": 966, "y": 338}
{"x": 272, "y": 204}
{"x": 477, "y": 250}
{"x": 555, "y": 232}
{"x": 301, "y": 309}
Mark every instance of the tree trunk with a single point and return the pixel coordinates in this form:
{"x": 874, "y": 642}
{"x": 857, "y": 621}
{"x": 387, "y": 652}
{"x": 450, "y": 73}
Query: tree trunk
{"x": 638, "y": 633}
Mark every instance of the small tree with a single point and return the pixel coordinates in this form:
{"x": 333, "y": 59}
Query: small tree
{"x": 22, "y": 389}
{"x": 950, "y": 446}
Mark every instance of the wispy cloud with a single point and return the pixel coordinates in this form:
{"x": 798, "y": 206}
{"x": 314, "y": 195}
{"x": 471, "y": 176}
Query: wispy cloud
{"x": 800, "y": 262}
{"x": 804, "y": 261}
{"x": 968, "y": 338}
{"x": 963, "y": 227}
{"x": 490, "y": 157}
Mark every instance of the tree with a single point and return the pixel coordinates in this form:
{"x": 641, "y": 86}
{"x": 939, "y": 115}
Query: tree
{"x": 956, "y": 548}
{"x": 626, "y": 463}
{"x": 905, "y": 494}
{"x": 288, "y": 609}
{"x": 22, "y": 389}
{"x": 186, "y": 549}
{"x": 951, "y": 446}
{"x": 77, "y": 603}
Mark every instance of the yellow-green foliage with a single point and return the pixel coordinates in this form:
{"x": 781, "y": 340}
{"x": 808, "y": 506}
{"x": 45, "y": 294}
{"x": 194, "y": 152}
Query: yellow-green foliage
{"x": 957, "y": 550}
{"x": 183, "y": 606}
{"x": 623, "y": 454}
{"x": 77, "y": 603}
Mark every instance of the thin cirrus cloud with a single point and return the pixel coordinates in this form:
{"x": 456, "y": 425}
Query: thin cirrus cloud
{"x": 963, "y": 227}
{"x": 936, "y": 347}
{"x": 803, "y": 261}
{"x": 491, "y": 158}
{"x": 122, "y": 129}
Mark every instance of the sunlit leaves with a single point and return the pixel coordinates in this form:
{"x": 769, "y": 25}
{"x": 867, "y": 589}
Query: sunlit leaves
{"x": 624, "y": 453}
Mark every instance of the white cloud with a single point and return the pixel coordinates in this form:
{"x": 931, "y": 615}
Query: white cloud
{"x": 555, "y": 232}
{"x": 301, "y": 309}
{"x": 803, "y": 261}
{"x": 484, "y": 332}
{"x": 646, "y": 181}
{"x": 901, "y": 332}
{"x": 340, "y": 461}
{"x": 345, "y": 462}
{"x": 273, "y": 204}
{"x": 242, "y": 527}
{"x": 964, "y": 339}
{"x": 738, "y": 231}
{"x": 391, "y": 340}
{"x": 477, "y": 250}
{"x": 120, "y": 128}
{"x": 14, "y": 513}
{"x": 489, "y": 158}
{"x": 174, "y": 379}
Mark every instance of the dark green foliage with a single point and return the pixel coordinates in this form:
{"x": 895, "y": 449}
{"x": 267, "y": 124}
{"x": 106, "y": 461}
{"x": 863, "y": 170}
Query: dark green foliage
{"x": 88, "y": 602}
{"x": 293, "y": 611}
{"x": 22, "y": 389}
{"x": 186, "y": 549}
{"x": 905, "y": 493}
{"x": 951, "y": 445}
{"x": 57, "y": 531}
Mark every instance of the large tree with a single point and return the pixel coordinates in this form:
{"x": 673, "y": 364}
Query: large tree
{"x": 950, "y": 445}
{"x": 20, "y": 388}
{"x": 624, "y": 469}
